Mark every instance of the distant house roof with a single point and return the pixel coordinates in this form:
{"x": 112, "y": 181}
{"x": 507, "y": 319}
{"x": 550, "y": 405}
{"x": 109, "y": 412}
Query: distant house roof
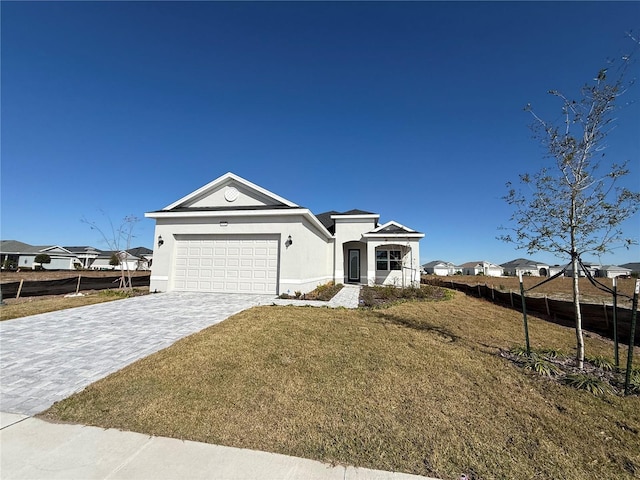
{"x": 437, "y": 262}
{"x": 139, "y": 251}
{"x": 633, "y": 266}
{"x": 472, "y": 264}
{"x": 521, "y": 262}
{"x": 615, "y": 268}
{"x": 82, "y": 249}
{"x": 14, "y": 246}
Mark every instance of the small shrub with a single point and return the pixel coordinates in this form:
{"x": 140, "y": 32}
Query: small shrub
{"x": 601, "y": 362}
{"x": 550, "y": 353}
{"x": 634, "y": 381}
{"x": 541, "y": 366}
{"x": 582, "y": 381}
{"x": 519, "y": 351}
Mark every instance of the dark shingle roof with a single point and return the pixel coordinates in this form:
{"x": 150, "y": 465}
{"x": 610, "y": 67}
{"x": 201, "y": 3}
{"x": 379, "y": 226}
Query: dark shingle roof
{"x": 330, "y": 224}
{"x": 521, "y": 262}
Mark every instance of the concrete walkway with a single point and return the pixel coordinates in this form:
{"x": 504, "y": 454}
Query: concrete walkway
{"x": 348, "y": 297}
{"x": 45, "y": 358}
{"x": 34, "y": 449}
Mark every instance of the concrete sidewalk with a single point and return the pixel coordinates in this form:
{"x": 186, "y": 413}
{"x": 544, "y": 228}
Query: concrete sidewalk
{"x": 35, "y": 449}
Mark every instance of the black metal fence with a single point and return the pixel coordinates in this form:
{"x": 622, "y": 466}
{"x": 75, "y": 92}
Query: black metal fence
{"x": 33, "y": 288}
{"x": 597, "y": 318}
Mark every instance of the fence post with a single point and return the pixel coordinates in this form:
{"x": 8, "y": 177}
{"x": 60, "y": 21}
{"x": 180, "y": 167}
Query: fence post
{"x": 511, "y": 297}
{"x": 606, "y": 316}
{"x": 78, "y": 285}
{"x": 20, "y": 288}
{"x": 615, "y": 322}
{"x": 479, "y": 292}
{"x": 546, "y": 301}
{"x": 632, "y": 335}
{"x": 524, "y": 314}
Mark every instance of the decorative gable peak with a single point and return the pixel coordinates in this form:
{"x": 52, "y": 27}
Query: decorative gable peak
{"x": 230, "y": 191}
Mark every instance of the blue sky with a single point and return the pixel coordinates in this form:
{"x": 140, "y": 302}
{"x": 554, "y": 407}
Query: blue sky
{"x": 413, "y": 110}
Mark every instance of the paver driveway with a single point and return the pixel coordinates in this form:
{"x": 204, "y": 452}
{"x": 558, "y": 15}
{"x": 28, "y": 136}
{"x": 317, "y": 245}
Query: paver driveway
{"x": 45, "y": 358}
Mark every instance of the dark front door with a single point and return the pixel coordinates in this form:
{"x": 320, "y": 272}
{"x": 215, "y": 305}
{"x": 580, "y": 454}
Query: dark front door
{"x": 354, "y": 266}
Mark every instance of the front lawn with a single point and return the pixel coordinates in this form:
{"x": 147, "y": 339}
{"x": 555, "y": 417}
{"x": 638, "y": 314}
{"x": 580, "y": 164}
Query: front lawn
{"x": 418, "y": 387}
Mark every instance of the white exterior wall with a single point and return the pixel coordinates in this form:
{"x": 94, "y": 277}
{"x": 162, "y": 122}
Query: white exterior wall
{"x": 408, "y": 276}
{"x": 59, "y": 263}
{"x": 350, "y": 229}
{"x": 304, "y": 265}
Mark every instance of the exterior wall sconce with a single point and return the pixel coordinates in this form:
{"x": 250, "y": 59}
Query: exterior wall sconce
{"x": 288, "y": 242}
{"x": 160, "y": 241}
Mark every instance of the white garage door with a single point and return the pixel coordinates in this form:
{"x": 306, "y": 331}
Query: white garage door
{"x": 232, "y": 264}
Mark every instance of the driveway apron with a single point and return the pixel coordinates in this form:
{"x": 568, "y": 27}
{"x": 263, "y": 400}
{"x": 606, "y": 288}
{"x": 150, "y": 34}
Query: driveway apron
{"x": 45, "y": 358}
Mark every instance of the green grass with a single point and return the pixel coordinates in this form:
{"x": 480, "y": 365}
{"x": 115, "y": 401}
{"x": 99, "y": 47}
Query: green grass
{"x": 418, "y": 387}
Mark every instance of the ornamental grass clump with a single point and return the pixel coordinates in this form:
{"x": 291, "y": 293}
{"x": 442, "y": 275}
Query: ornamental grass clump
{"x": 583, "y": 381}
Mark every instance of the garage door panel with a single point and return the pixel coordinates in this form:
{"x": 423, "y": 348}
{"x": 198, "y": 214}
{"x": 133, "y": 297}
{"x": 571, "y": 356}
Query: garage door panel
{"x": 247, "y": 264}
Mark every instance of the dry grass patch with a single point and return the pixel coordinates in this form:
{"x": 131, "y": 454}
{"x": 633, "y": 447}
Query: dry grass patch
{"x": 418, "y": 387}
{"x": 27, "y": 306}
{"x": 559, "y": 288}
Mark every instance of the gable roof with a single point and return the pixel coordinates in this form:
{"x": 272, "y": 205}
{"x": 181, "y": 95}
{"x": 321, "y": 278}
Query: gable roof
{"x": 393, "y": 228}
{"x": 480, "y": 262}
{"x": 233, "y": 183}
{"x": 437, "y": 262}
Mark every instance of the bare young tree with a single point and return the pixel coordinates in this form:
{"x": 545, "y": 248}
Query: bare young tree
{"x": 575, "y": 204}
{"x": 118, "y": 239}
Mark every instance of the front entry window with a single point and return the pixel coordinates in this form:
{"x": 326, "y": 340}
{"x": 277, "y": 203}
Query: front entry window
{"x": 388, "y": 260}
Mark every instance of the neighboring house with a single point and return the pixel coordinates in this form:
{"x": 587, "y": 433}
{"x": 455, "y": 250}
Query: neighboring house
{"x": 61, "y": 258}
{"x": 440, "y": 267}
{"x": 234, "y": 236}
{"x": 612, "y": 271}
{"x": 633, "y": 266}
{"x": 525, "y": 267}
{"x": 481, "y": 268}
{"x": 85, "y": 255}
{"x": 10, "y": 251}
{"x": 591, "y": 267}
{"x": 555, "y": 269}
{"x": 15, "y": 254}
{"x": 127, "y": 261}
{"x": 145, "y": 257}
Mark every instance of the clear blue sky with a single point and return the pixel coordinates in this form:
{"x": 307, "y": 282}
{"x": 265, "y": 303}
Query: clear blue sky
{"x": 413, "y": 110}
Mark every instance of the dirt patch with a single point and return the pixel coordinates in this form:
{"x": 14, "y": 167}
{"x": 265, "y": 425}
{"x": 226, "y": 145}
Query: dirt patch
{"x": 38, "y": 275}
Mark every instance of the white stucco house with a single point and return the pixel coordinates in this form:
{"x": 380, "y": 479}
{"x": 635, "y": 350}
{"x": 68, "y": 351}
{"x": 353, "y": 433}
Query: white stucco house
{"x": 234, "y": 236}
{"x": 612, "y": 271}
{"x": 128, "y": 261}
{"x": 481, "y": 267}
{"x": 61, "y": 258}
{"x": 525, "y": 266}
{"x": 440, "y": 267}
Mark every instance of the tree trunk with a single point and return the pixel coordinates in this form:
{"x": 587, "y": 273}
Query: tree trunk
{"x": 578, "y": 314}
